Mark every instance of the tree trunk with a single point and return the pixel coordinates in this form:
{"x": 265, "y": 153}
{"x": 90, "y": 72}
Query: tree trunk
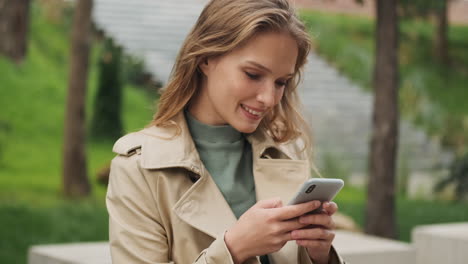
{"x": 441, "y": 44}
{"x": 75, "y": 180}
{"x": 380, "y": 218}
{"x": 14, "y": 22}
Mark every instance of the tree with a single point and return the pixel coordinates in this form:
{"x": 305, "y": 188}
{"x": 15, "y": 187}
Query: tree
{"x": 107, "y": 122}
{"x": 438, "y": 10}
{"x": 75, "y": 180}
{"x": 441, "y": 43}
{"x": 380, "y": 218}
{"x": 14, "y": 22}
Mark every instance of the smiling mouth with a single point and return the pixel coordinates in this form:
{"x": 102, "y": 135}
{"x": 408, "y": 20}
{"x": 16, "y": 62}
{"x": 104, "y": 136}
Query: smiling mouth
{"x": 251, "y": 111}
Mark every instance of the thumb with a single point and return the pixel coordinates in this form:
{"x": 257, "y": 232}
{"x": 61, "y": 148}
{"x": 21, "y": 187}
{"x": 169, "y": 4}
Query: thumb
{"x": 270, "y": 203}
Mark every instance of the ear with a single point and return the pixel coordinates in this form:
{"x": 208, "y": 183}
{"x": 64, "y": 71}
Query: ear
{"x": 205, "y": 66}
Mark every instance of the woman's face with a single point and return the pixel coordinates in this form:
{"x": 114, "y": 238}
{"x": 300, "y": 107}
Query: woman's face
{"x": 240, "y": 87}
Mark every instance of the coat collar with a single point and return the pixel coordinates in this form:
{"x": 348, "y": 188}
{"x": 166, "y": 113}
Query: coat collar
{"x": 163, "y": 147}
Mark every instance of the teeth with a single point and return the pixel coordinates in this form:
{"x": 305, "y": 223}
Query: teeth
{"x": 253, "y": 112}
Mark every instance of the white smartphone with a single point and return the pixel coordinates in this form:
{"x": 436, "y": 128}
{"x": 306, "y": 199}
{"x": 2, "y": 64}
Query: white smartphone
{"x": 322, "y": 189}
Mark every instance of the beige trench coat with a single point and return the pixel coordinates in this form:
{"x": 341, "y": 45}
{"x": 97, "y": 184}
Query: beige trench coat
{"x": 164, "y": 207}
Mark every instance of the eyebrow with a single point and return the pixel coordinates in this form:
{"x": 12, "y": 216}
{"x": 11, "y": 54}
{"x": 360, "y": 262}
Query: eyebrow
{"x": 258, "y": 65}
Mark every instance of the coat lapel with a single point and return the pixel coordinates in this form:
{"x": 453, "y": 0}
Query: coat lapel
{"x": 204, "y": 208}
{"x": 203, "y": 205}
{"x": 280, "y": 176}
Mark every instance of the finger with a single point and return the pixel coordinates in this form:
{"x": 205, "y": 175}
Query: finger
{"x": 292, "y": 211}
{"x": 323, "y": 220}
{"x": 269, "y": 203}
{"x": 330, "y": 208}
{"x": 313, "y": 234}
{"x": 292, "y": 224}
{"x": 314, "y": 244}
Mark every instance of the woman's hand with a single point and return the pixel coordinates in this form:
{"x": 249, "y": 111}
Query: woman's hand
{"x": 318, "y": 236}
{"x": 265, "y": 228}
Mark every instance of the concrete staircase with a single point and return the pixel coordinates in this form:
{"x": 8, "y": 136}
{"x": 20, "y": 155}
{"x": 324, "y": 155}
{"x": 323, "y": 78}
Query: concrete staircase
{"x": 151, "y": 29}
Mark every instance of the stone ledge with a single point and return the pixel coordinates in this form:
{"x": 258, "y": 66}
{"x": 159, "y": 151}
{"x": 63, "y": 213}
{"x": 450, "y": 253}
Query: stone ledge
{"x": 76, "y": 253}
{"x": 441, "y": 243}
{"x": 364, "y": 249}
{"x": 353, "y": 247}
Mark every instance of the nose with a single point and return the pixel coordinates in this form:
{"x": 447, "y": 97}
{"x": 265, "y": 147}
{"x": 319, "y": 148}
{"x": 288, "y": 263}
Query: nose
{"x": 267, "y": 95}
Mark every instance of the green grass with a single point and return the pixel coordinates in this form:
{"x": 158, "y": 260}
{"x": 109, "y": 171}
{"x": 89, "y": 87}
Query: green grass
{"x": 432, "y": 95}
{"x": 409, "y": 213}
{"x": 26, "y": 224}
{"x": 32, "y": 207}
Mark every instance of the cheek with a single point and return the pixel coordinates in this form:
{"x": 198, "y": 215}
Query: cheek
{"x": 241, "y": 89}
{"x": 279, "y": 96}
{"x": 230, "y": 85}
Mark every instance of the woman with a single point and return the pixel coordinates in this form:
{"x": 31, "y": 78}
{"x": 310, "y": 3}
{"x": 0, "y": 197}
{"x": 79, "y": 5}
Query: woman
{"x": 207, "y": 180}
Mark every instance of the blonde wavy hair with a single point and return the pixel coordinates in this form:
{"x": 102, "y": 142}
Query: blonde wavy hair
{"x": 223, "y": 26}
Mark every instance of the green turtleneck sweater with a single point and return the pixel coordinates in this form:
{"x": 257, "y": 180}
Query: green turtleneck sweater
{"x": 227, "y": 156}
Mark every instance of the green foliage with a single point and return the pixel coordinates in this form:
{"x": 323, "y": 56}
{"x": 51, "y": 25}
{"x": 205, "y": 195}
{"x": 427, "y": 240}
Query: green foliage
{"x": 134, "y": 70}
{"x": 344, "y": 41}
{"x": 420, "y": 8}
{"x": 135, "y": 73}
{"x": 26, "y": 224}
{"x": 458, "y": 176}
{"x": 403, "y": 175}
{"x": 4, "y": 129}
{"x": 107, "y": 121}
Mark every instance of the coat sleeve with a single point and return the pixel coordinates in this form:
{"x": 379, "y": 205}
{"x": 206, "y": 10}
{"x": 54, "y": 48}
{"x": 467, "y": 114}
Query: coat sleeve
{"x": 305, "y": 259}
{"x": 136, "y": 232}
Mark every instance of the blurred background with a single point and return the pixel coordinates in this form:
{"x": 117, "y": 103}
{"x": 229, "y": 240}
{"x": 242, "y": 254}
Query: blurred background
{"x": 77, "y": 75}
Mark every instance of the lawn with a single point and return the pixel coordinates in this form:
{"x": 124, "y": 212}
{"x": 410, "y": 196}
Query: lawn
{"x": 410, "y": 213}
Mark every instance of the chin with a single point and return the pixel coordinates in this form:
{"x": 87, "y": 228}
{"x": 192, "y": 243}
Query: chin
{"x": 246, "y": 128}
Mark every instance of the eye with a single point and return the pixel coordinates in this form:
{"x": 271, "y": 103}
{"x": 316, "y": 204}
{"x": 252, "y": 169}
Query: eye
{"x": 282, "y": 83}
{"x": 252, "y": 76}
